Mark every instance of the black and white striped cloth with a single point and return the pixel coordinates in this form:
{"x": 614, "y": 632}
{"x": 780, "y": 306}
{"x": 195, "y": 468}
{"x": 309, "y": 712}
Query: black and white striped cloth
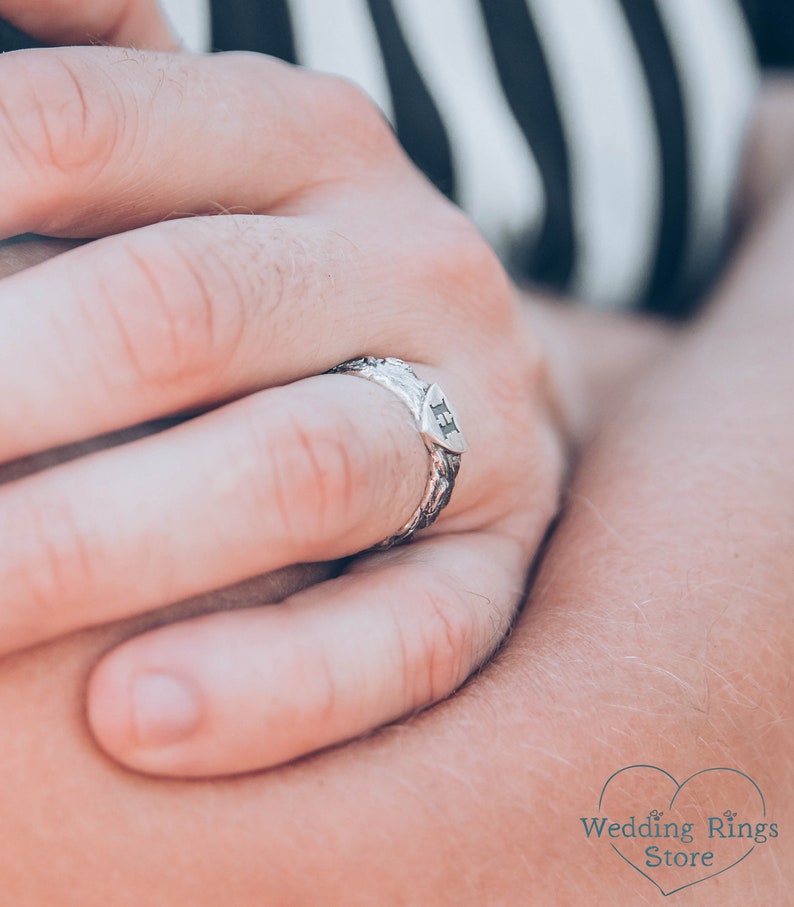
{"x": 595, "y": 143}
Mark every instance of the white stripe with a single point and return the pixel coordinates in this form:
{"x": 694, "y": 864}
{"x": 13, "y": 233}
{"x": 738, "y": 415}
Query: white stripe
{"x": 713, "y": 50}
{"x": 497, "y": 178}
{"x": 340, "y": 38}
{"x": 608, "y": 120}
{"x": 191, "y": 21}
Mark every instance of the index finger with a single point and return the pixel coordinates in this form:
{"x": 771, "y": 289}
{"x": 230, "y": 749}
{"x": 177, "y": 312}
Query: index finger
{"x": 98, "y": 140}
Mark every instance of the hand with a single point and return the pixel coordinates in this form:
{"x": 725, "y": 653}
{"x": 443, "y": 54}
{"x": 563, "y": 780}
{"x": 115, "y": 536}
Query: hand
{"x": 659, "y": 631}
{"x": 344, "y": 250}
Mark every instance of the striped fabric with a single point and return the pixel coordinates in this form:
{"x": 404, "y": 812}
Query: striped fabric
{"x": 594, "y": 142}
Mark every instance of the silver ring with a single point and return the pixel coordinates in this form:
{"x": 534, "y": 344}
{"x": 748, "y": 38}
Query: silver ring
{"x": 437, "y": 424}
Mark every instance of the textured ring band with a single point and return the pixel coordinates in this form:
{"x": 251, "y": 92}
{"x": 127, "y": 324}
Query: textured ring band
{"x": 437, "y": 424}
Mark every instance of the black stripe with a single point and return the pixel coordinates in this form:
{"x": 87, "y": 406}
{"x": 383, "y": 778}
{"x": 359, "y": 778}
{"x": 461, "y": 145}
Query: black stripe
{"x": 526, "y": 82}
{"x": 665, "y": 289}
{"x": 772, "y": 27}
{"x": 417, "y": 120}
{"x": 264, "y": 27}
{"x": 12, "y": 38}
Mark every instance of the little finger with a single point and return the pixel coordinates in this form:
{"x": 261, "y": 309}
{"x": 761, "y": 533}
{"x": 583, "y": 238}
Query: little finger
{"x": 246, "y": 690}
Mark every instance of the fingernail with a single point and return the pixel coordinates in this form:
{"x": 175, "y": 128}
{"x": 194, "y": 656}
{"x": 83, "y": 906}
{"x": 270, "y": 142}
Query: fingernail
{"x": 165, "y": 709}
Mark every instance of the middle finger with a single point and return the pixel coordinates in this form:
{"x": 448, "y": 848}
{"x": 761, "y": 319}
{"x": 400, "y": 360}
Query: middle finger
{"x": 177, "y": 316}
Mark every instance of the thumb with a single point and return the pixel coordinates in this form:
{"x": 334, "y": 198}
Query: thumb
{"x": 141, "y": 23}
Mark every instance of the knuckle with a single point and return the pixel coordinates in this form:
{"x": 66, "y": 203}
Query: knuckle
{"x": 311, "y": 670}
{"x": 309, "y": 476}
{"x": 339, "y": 131}
{"x": 448, "y": 641}
{"x": 472, "y": 269}
{"x": 353, "y": 122}
{"x": 53, "y": 561}
{"x": 178, "y": 319}
{"x": 453, "y": 264}
{"x": 60, "y": 117}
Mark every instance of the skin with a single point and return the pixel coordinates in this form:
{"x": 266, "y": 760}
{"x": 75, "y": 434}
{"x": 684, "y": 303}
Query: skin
{"x": 121, "y": 22}
{"x": 659, "y": 630}
{"x": 239, "y": 317}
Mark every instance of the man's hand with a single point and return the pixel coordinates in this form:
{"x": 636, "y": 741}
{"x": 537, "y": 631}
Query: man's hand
{"x": 330, "y": 246}
{"x": 659, "y": 630}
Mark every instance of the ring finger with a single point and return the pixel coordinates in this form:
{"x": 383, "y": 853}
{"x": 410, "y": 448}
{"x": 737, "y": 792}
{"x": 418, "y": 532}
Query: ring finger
{"x": 314, "y": 471}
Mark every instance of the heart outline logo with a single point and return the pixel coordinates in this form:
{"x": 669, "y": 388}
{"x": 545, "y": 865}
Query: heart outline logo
{"x": 678, "y": 788}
